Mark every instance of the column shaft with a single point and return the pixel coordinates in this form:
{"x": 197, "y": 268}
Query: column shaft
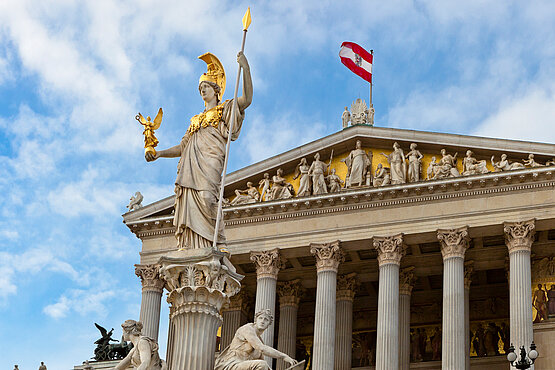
{"x": 232, "y": 320}
{"x": 287, "y": 335}
{"x": 404, "y": 331}
{"x": 387, "y": 344}
{"x": 467, "y": 329}
{"x": 343, "y": 334}
{"x": 150, "y": 313}
{"x": 266, "y": 299}
{"x": 452, "y": 343}
{"x": 324, "y": 321}
{"x": 520, "y": 296}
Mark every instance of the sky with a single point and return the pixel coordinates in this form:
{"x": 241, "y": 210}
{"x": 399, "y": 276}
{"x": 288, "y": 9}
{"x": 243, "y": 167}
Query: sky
{"x": 73, "y": 75}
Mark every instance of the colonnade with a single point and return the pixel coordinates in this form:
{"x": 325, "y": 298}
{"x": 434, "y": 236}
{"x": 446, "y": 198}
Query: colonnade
{"x": 332, "y": 341}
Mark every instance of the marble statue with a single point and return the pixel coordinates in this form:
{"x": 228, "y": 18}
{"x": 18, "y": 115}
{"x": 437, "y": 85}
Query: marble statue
{"x": 448, "y": 164}
{"x": 264, "y": 184}
{"x": 504, "y": 165}
{"x": 250, "y": 195}
{"x": 281, "y": 189}
{"x": 472, "y": 166}
{"x": 550, "y": 162}
{"x": 301, "y": 171}
{"x": 346, "y": 117}
{"x": 381, "y": 178}
{"x": 530, "y": 162}
{"x": 202, "y": 151}
{"x": 433, "y": 169}
{"x": 246, "y": 350}
{"x": 359, "y": 112}
{"x": 135, "y": 202}
{"x": 316, "y": 172}
{"x": 415, "y": 163}
{"x": 144, "y": 355}
{"x": 358, "y": 164}
{"x": 42, "y": 366}
{"x": 539, "y": 301}
{"x": 397, "y": 165}
{"x": 335, "y": 182}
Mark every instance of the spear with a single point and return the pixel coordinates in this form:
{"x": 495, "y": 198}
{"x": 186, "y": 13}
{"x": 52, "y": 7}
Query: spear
{"x": 219, "y": 215}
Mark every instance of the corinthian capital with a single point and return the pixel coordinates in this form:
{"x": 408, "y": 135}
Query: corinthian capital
{"x": 328, "y": 255}
{"x": 290, "y": 292}
{"x": 454, "y": 242}
{"x": 519, "y": 235}
{"x": 150, "y": 277}
{"x": 268, "y": 263}
{"x": 346, "y": 287}
{"x": 239, "y": 302}
{"x": 390, "y": 249}
{"x": 406, "y": 280}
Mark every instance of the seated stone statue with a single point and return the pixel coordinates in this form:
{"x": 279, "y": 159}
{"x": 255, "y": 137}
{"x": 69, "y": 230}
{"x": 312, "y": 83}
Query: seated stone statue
{"x": 144, "y": 354}
{"x": 281, "y": 189}
{"x": 246, "y": 351}
{"x": 504, "y": 165}
{"x": 531, "y": 162}
{"x": 472, "y": 166}
{"x": 250, "y": 195}
{"x": 381, "y": 177}
{"x": 334, "y": 181}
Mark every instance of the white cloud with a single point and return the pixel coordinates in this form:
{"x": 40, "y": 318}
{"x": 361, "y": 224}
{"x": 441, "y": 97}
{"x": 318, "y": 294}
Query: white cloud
{"x": 81, "y": 301}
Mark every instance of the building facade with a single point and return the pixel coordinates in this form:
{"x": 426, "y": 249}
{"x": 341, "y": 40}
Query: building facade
{"x": 440, "y": 259}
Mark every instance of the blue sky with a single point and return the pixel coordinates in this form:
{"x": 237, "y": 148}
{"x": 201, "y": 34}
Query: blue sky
{"x": 73, "y": 74}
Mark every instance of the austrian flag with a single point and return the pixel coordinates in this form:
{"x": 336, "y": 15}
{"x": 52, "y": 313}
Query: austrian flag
{"x": 357, "y": 59}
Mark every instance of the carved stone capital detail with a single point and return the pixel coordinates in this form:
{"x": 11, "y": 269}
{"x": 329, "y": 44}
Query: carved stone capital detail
{"x": 390, "y": 249}
{"x": 519, "y": 235}
{"x": 407, "y": 278}
{"x": 468, "y": 271}
{"x": 239, "y": 302}
{"x": 346, "y": 287}
{"x": 290, "y": 292}
{"x": 150, "y": 277}
{"x": 454, "y": 242}
{"x": 328, "y": 255}
{"x": 268, "y": 263}
{"x": 201, "y": 285}
{"x": 543, "y": 269}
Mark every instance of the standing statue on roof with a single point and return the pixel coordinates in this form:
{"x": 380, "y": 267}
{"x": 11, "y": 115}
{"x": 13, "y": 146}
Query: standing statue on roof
{"x": 202, "y": 154}
{"x": 358, "y": 164}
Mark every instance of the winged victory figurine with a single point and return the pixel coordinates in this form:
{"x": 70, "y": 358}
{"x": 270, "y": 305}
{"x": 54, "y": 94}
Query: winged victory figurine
{"x": 150, "y": 140}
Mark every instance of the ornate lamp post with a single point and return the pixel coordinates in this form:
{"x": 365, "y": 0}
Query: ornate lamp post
{"x": 524, "y": 363}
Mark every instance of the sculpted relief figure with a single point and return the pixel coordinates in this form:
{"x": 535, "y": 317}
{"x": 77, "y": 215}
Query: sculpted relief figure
{"x": 358, "y": 164}
{"x": 345, "y": 117}
{"x": 316, "y": 171}
{"x": 397, "y": 165}
{"x": 530, "y": 162}
{"x": 335, "y": 182}
{"x": 250, "y": 195}
{"x": 281, "y": 189}
{"x": 304, "y": 183}
{"x": 144, "y": 355}
{"x": 472, "y": 166}
{"x": 246, "y": 350}
{"x": 415, "y": 163}
{"x": 264, "y": 184}
{"x": 359, "y": 112}
{"x": 381, "y": 178}
{"x": 505, "y": 165}
{"x": 446, "y": 167}
{"x": 202, "y": 152}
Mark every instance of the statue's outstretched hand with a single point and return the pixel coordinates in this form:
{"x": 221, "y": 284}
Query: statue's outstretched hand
{"x": 289, "y": 361}
{"x": 151, "y": 157}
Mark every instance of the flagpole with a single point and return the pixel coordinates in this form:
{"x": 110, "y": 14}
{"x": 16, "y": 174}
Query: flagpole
{"x": 371, "y": 105}
{"x": 219, "y": 215}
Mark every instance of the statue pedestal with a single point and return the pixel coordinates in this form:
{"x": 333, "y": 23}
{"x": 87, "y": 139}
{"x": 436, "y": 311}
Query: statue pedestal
{"x": 199, "y": 282}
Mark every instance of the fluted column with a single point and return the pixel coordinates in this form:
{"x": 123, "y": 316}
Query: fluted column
{"x": 234, "y": 316}
{"x": 289, "y": 293}
{"x": 406, "y": 283}
{"x": 519, "y": 237}
{"x": 454, "y": 243}
{"x": 268, "y": 264}
{"x": 390, "y": 251}
{"x": 345, "y": 295}
{"x": 199, "y": 283}
{"x": 468, "y": 271}
{"x": 153, "y": 287}
{"x": 328, "y": 257}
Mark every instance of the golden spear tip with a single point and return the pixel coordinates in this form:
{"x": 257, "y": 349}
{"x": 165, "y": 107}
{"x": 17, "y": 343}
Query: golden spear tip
{"x": 247, "y": 19}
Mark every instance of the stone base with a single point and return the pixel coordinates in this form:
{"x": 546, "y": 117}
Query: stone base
{"x": 544, "y": 337}
{"x": 99, "y": 365}
{"x": 484, "y": 363}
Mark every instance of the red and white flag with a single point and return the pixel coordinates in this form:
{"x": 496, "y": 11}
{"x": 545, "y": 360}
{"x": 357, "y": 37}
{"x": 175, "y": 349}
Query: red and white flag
{"x": 357, "y": 59}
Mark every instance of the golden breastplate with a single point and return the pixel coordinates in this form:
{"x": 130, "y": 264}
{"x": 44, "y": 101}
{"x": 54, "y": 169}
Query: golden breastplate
{"x": 211, "y": 117}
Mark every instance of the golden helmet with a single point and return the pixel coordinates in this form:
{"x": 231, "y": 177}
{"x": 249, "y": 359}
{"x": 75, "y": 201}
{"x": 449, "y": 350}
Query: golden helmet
{"x": 215, "y": 72}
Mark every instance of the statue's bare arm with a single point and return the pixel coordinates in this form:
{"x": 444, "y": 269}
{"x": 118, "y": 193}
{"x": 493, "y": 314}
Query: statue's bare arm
{"x": 126, "y": 362}
{"x": 246, "y": 99}
{"x": 257, "y": 344}
{"x": 174, "y": 151}
{"x": 145, "y": 354}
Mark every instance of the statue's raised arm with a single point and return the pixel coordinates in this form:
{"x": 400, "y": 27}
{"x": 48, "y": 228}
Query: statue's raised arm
{"x": 245, "y": 100}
